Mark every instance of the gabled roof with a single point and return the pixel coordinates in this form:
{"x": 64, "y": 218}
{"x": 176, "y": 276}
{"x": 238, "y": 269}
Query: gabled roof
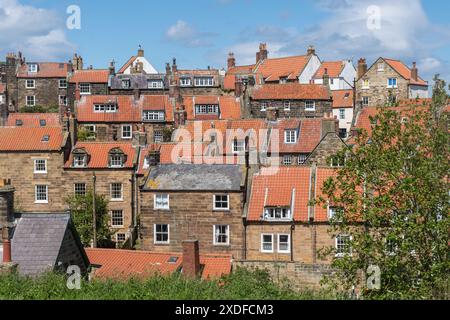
{"x": 280, "y": 187}
{"x": 99, "y": 154}
{"x": 291, "y": 91}
{"x": 309, "y": 134}
{"x": 45, "y": 70}
{"x": 188, "y": 177}
{"x": 276, "y": 68}
{"x": 33, "y": 119}
{"x": 404, "y": 71}
{"x": 32, "y": 139}
{"x": 157, "y": 103}
{"x": 342, "y": 98}
{"x": 334, "y": 69}
{"x": 37, "y": 242}
{"x": 127, "y": 64}
{"x": 230, "y": 77}
{"x": 90, "y": 76}
{"x": 126, "y": 264}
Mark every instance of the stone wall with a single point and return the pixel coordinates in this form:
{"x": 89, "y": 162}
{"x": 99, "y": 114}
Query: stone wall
{"x": 96, "y": 89}
{"x": 297, "y": 109}
{"x": 191, "y": 216}
{"x": 46, "y": 92}
{"x": 329, "y": 146}
{"x": 300, "y": 276}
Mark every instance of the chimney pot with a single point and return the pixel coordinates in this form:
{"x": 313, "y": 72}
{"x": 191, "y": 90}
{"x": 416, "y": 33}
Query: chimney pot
{"x": 231, "y": 60}
{"x": 415, "y": 72}
{"x": 311, "y": 51}
{"x": 6, "y": 246}
{"x": 362, "y": 67}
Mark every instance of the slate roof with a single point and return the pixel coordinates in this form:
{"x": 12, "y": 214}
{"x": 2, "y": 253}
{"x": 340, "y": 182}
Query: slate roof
{"x": 37, "y": 241}
{"x": 139, "y": 81}
{"x": 187, "y": 177}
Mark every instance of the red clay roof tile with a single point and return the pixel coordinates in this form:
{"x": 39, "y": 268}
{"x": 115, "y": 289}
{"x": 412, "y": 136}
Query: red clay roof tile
{"x": 291, "y": 91}
{"x": 45, "y": 70}
{"x": 31, "y": 138}
{"x": 90, "y": 76}
{"x": 33, "y": 119}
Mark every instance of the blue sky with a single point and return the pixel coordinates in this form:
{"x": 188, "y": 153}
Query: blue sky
{"x": 201, "y": 32}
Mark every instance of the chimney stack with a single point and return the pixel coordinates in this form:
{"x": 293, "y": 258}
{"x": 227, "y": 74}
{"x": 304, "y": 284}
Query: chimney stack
{"x": 362, "y": 67}
{"x": 77, "y": 62}
{"x": 311, "y": 51}
{"x": 112, "y": 68}
{"x": 174, "y": 66}
{"x": 326, "y": 78}
{"x": 238, "y": 87}
{"x": 140, "y": 52}
{"x": 262, "y": 54}
{"x": 6, "y": 246}
{"x": 414, "y": 72}
{"x": 168, "y": 70}
{"x": 191, "y": 259}
{"x": 231, "y": 60}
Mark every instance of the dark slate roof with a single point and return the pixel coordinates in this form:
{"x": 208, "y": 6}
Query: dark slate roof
{"x": 191, "y": 177}
{"x": 37, "y": 240}
{"x": 138, "y": 81}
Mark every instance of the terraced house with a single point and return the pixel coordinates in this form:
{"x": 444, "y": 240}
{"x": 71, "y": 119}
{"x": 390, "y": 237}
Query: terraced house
{"x": 110, "y": 168}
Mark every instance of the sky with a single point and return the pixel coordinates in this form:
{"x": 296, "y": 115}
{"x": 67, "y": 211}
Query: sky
{"x": 200, "y": 33}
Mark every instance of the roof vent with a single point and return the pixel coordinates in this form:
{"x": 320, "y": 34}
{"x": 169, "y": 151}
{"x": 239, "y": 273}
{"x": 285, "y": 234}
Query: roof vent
{"x": 42, "y": 122}
{"x": 173, "y": 260}
{"x": 46, "y": 138}
{"x": 19, "y": 123}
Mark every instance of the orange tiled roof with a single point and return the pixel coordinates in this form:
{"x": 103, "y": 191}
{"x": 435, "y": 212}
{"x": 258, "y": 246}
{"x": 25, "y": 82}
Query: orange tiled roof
{"x": 99, "y": 151}
{"x": 125, "y": 264}
{"x": 230, "y": 107}
{"x": 342, "y": 98}
{"x": 31, "y": 138}
{"x": 127, "y": 64}
{"x": 33, "y": 119}
{"x": 128, "y": 109}
{"x": 90, "y": 76}
{"x": 45, "y": 70}
{"x": 322, "y": 174}
{"x": 405, "y": 71}
{"x": 291, "y": 91}
{"x": 230, "y": 77}
{"x": 275, "y": 187}
{"x": 289, "y": 67}
{"x": 309, "y": 135}
{"x": 334, "y": 69}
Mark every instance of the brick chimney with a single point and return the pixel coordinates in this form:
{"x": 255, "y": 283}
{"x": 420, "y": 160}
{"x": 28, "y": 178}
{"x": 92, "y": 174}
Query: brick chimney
{"x": 326, "y": 78}
{"x": 231, "y": 61}
{"x": 311, "y": 51}
{"x": 168, "y": 70}
{"x": 77, "y": 62}
{"x": 414, "y": 72}
{"x": 174, "y": 66}
{"x": 362, "y": 67}
{"x": 272, "y": 114}
{"x": 140, "y": 52}
{"x": 112, "y": 68}
{"x": 191, "y": 259}
{"x": 262, "y": 54}
{"x": 238, "y": 87}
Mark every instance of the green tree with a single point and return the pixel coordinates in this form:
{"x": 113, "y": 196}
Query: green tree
{"x": 82, "y": 216}
{"x": 393, "y": 192}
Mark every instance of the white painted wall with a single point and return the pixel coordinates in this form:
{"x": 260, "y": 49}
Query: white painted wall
{"x": 310, "y": 70}
{"x": 344, "y": 81}
{"x": 345, "y": 123}
{"x": 418, "y": 91}
{"x": 148, "y": 68}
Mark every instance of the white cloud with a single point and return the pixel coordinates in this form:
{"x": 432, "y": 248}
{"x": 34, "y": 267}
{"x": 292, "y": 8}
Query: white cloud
{"x": 187, "y": 35}
{"x": 38, "y": 33}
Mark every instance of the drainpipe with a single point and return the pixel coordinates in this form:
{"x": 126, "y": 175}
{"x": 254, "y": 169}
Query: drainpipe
{"x": 292, "y": 240}
{"x": 244, "y": 221}
{"x": 6, "y": 246}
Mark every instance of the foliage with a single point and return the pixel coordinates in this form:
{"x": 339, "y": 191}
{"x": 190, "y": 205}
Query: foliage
{"x": 167, "y": 134}
{"x": 82, "y": 216}
{"x": 84, "y": 134}
{"x": 240, "y": 285}
{"x": 39, "y": 109}
{"x": 394, "y": 196}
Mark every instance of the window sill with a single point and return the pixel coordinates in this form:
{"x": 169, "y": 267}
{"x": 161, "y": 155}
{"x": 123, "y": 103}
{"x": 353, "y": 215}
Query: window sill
{"x": 117, "y": 200}
{"x": 222, "y": 210}
{"x": 221, "y": 245}
{"x": 41, "y": 172}
{"x": 117, "y": 227}
{"x": 267, "y": 252}
{"x": 41, "y": 202}
{"x": 161, "y": 244}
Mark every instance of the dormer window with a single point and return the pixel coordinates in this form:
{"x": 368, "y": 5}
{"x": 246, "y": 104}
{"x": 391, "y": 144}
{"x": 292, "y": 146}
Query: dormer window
{"x": 153, "y": 116}
{"x": 85, "y": 88}
{"x": 290, "y": 136}
{"x": 117, "y": 158}
{"x": 204, "y": 81}
{"x": 277, "y": 213}
{"x": 32, "y": 67}
{"x": 80, "y": 158}
{"x": 19, "y": 123}
{"x": 126, "y": 84}
{"x": 42, "y": 122}
{"x": 185, "y": 82}
{"x": 155, "y": 84}
{"x": 108, "y": 108}
{"x": 206, "y": 109}
{"x": 45, "y": 138}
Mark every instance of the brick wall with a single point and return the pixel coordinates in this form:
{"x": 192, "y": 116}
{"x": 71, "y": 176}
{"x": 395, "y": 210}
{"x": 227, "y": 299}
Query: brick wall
{"x": 191, "y": 216}
{"x": 329, "y": 146}
{"x": 96, "y": 89}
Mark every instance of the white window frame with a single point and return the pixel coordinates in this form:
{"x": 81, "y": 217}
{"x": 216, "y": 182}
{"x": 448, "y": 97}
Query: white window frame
{"x": 125, "y": 84}
{"x": 204, "y": 81}
{"x": 227, "y": 234}
{"x": 238, "y": 146}
{"x": 155, "y": 233}
{"x": 185, "y": 82}
{"x": 268, "y": 218}
{"x": 303, "y": 157}
{"x": 155, "y": 84}
{"x": 287, "y": 160}
{"x": 85, "y": 88}
{"x": 342, "y": 113}
{"x": 368, "y": 101}
{"x": 343, "y": 254}
{"x": 33, "y": 86}
{"x": 287, "y": 105}
{"x": 158, "y": 136}
{"x": 308, "y": 106}
{"x": 288, "y": 138}
{"x": 62, "y": 81}
{"x": 331, "y": 212}
{"x": 32, "y": 67}
{"x": 365, "y": 84}
{"x": 117, "y": 237}
{"x": 392, "y": 86}
{"x": 215, "y": 200}
{"x": 36, "y": 200}
{"x": 155, "y": 202}
{"x": 288, "y": 243}
{"x": 117, "y": 226}
{"x": 117, "y": 161}
{"x": 130, "y": 131}
{"x": 77, "y": 163}
{"x": 263, "y": 106}
{"x": 111, "y": 191}
{"x": 272, "y": 242}
{"x": 153, "y": 116}
{"x": 30, "y": 104}
{"x": 380, "y": 67}
{"x": 40, "y": 171}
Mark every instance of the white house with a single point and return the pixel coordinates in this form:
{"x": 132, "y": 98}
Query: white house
{"x": 138, "y": 64}
{"x": 341, "y": 74}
